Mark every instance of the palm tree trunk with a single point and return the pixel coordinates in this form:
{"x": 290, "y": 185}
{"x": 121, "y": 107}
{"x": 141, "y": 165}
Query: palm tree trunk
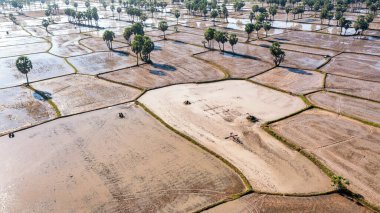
{"x": 27, "y": 79}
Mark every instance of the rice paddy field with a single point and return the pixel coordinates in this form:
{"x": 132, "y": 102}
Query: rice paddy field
{"x": 182, "y": 122}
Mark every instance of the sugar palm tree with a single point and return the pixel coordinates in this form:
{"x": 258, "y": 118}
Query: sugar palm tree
{"x": 24, "y": 65}
{"x": 108, "y": 37}
{"x": 163, "y": 26}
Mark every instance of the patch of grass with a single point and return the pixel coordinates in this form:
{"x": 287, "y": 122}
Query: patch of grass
{"x": 72, "y": 66}
{"x": 52, "y": 104}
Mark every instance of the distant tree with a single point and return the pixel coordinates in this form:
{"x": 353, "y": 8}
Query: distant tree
{"x": 255, "y": 9}
{"x": 273, "y": 10}
{"x": 76, "y": 6}
{"x": 251, "y": 16}
{"x": 67, "y": 2}
{"x": 287, "y": 11}
{"x": 45, "y": 23}
{"x": 143, "y": 18}
{"x": 24, "y": 65}
{"x": 249, "y": 29}
{"x": 277, "y": 53}
{"x": 221, "y": 37}
{"x": 147, "y": 48}
{"x": 113, "y": 10}
{"x": 257, "y": 26}
{"x": 108, "y": 37}
{"x": 163, "y": 26}
{"x": 137, "y": 29}
{"x": 118, "y": 10}
{"x": 233, "y": 40}
{"x": 177, "y": 14}
{"x": 225, "y": 12}
{"x": 87, "y": 4}
{"x": 137, "y": 46}
{"x": 266, "y": 27}
{"x": 213, "y": 15}
{"x": 209, "y": 35}
{"x": 127, "y": 34}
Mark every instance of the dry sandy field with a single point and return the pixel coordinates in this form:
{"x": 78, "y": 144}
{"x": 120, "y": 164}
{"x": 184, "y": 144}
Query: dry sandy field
{"x": 291, "y": 80}
{"x": 359, "y": 66}
{"x": 44, "y": 66}
{"x": 348, "y": 147}
{"x": 80, "y": 93}
{"x": 97, "y": 132}
{"x": 105, "y": 62}
{"x": 133, "y": 164}
{"x": 342, "y": 104}
{"x": 355, "y": 87}
{"x": 237, "y": 66}
{"x": 273, "y": 203}
{"x": 180, "y": 70}
{"x": 219, "y": 110}
{"x": 19, "y": 108}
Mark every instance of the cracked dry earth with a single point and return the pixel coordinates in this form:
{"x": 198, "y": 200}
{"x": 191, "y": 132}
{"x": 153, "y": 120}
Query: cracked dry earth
{"x": 93, "y": 132}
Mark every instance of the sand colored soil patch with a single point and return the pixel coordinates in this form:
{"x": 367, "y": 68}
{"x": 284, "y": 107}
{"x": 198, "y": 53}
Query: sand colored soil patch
{"x": 97, "y": 44}
{"x": 133, "y": 164}
{"x": 297, "y": 48}
{"x": 19, "y": 108}
{"x": 100, "y": 62}
{"x": 44, "y": 66}
{"x": 187, "y": 38}
{"x": 334, "y": 42}
{"x": 171, "y": 50}
{"x": 292, "y": 80}
{"x": 19, "y": 40}
{"x": 360, "y": 66}
{"x": 273, "y": 203}
{"x": 236, "y": 66}
{"x": 68, "y": 45}
{"x": 293, "y": 59}
{"x": 355, "y": 87}
{"x": 37, "y": 31}
{"x": 80, "y": 93}
{"x": 24, "y": 49}
{"x": 181, "y": 70}
{"x": 360, "y": 108}
{"x": 348, "y": 147}
{"x": 13, "y": 33}
{"x": 219, "y": 109}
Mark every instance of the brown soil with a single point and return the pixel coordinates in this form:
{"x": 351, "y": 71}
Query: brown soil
{"x": 292, "y": 80}
{"x": 362, "y": 109}
{"x": 348, "y": 147}
{"x": 236, "y": 66}
{"x": 273, "y": 203}
{"x": 80, "y": 93}
{"x": 133, "y": 164}
{"x": 182, "y": 70}
{"x": 360, "y": 66}
{"x": 355, "y": 87}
